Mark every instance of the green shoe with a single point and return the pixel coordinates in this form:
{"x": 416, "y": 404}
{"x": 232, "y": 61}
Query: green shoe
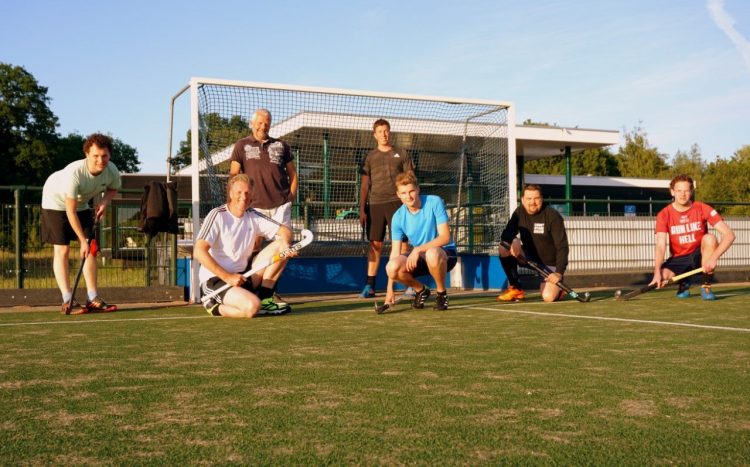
{"x": 269, "y": 307}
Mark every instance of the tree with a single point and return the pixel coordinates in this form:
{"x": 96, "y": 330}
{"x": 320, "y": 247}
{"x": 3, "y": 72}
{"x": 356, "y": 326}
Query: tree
{"x": 598, "y": 162}
{"x": 688, "y": 163}
{"x": 27, "y": 126}
{"x": 221, "y": 133}
{"x": 728, "y": 181}
{"x": 28, "y": 134}
{"x": 638, "y": 159}
{"x": 70, "y": 148}
{"x": 125, "y": 156}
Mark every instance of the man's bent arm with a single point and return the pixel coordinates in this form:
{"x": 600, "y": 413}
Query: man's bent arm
{"x": 443, "y": 238}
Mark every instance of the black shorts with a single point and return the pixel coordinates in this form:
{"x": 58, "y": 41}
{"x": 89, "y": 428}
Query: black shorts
{"x": 216, "y": 283}
{"x": 423, "y": 270}
{"x": 57, "y": 230}
{"x": 684, "y": 263}
{"x": 378, "y": 216}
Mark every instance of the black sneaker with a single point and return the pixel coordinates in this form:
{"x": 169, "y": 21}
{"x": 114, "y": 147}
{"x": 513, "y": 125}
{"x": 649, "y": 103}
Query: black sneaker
{"x": 420, "y": 297}
{"x": 441, "y": 301}
{"x": 212, "y": 307}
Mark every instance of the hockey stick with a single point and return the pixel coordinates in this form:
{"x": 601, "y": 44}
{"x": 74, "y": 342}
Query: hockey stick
{"x": 542, "y": 271}
{"x": 644, "y": 289}
{"x": 93, "y": 249}
{"x": 307, "y": 238}
{"x": 365, "y": 243}
{"x": 380, "y": 309}
{"x": 276, "y": 297}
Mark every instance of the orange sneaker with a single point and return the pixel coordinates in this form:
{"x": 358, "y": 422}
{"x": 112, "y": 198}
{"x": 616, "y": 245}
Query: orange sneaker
{"x": 511, "y": 294}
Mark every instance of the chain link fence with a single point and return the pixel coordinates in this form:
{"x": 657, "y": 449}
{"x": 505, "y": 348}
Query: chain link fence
{"x": 605, "y": 235}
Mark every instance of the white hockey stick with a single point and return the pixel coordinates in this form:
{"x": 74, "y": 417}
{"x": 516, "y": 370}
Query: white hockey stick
{"x": 307, "y": 238}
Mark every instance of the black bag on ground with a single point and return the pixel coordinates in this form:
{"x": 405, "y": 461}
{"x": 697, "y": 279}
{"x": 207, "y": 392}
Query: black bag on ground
{"x": 159, "y": 209}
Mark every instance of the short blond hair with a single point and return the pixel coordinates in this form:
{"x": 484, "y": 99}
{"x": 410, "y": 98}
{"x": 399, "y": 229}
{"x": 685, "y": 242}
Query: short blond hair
{"x": 406, "y": 178}
{"x": 239, "y": 178}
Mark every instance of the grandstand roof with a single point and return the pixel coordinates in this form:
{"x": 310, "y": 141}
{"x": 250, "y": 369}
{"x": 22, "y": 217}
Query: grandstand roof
{"x": 539, "y": 141}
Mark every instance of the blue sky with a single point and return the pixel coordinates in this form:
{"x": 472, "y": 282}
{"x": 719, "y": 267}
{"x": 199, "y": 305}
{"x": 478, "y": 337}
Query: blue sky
{"x": 680, "y": 69}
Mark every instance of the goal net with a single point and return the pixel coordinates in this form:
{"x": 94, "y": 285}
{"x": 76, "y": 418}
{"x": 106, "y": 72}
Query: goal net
{"x": 459, "y": 148}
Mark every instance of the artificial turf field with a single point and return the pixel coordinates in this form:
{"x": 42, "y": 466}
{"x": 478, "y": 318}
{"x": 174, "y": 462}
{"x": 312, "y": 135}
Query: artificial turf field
{"x": 654, "y": 380}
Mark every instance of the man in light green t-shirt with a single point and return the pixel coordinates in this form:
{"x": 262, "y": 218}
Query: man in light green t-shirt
{"x": 66, "y": 216}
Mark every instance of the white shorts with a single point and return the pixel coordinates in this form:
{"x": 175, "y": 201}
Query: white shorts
{"x": 281, "y": 214}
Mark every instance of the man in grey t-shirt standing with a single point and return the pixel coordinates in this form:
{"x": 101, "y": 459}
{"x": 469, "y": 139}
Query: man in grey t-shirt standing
{"x": 379, "y": 171}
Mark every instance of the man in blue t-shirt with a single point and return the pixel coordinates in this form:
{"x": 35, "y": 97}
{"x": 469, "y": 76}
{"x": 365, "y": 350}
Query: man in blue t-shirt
{"x": 423, "y": 220}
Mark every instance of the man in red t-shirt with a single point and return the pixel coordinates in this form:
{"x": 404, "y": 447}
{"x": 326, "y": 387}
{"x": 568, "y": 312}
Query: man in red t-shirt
{"x": 683, "y": 225}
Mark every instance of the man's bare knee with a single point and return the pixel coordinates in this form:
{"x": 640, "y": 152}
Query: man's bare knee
{"x": 395, "y": 268}
{"x": 435, "y": 257}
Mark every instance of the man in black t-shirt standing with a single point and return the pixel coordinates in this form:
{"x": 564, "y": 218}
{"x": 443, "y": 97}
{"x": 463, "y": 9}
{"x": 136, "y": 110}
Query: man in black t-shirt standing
{"x": 268, "y": 163}
{"x": 379, "y": 170}
{"x": 543, "y": 239}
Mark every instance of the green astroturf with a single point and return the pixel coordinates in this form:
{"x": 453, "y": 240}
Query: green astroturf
{"x": 334, "y": 383}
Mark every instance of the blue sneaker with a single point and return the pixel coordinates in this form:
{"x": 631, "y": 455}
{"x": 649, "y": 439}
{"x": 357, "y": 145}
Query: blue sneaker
{"x": 367, "y": 292}
{"x": 409, "y": 293}
{"x": 706, "y": 292}
{"x": 684, "y": 290}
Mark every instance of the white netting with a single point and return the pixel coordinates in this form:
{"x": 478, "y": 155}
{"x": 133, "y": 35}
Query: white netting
{"x": 460, "y": 151}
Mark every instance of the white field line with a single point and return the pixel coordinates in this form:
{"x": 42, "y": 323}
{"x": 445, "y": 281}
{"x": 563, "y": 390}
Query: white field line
{"x": 470, "y": 307}
{"x": 606, "y": 318}
{"x": 162, "y": 318}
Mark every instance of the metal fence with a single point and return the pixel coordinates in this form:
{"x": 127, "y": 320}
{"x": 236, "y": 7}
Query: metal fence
{"x": 125, "y": 258}
{"x": 605, "y": 239}
{"x": 609, "y": 243}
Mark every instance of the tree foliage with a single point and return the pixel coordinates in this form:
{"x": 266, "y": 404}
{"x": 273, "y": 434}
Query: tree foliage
{"x": 729, "y": 181}
{"x": 70, "y": 148}
{"x": 690, "y": 163}
{"x": 28, "y": 135}
{"x": 724, "y": 180}
{"x": 27, "y": 126}
{"x": 636, "y": 158}
{"x": 221, "y": 133}
{"x": 597, "y": 162}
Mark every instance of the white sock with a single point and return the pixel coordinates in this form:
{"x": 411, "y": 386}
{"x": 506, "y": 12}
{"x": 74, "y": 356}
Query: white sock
{"x": 67, "y": 296}
{"x": 92, "y": 294}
